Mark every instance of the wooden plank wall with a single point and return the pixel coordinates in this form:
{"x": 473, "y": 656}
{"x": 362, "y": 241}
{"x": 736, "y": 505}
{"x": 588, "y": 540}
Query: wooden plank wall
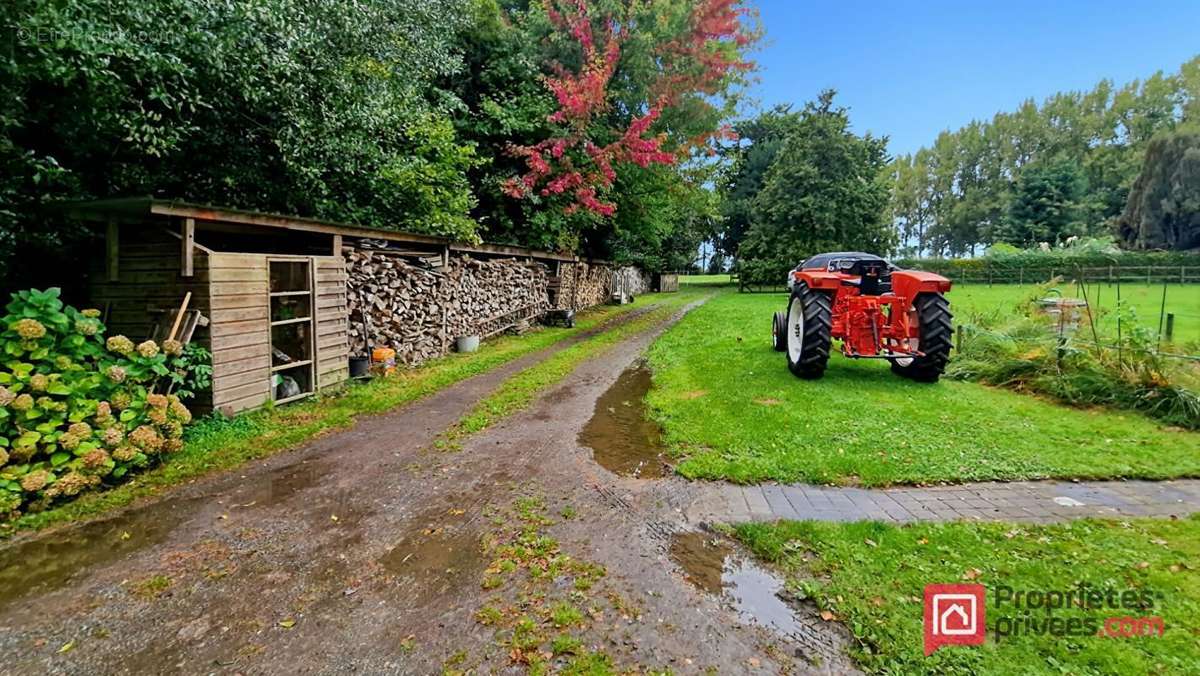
{"x": 333, "y": 322}
{"x": 148, "y": 277}
{"x": 240, "y": 330}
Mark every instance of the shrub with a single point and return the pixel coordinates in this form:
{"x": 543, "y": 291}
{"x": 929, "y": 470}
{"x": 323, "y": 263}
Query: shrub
{"x": 1027, "y": 353}
{"x": 78, "y": 409}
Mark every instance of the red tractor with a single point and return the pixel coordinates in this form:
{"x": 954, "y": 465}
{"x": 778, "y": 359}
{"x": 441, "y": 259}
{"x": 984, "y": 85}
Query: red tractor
{"x": 877, "y": 310}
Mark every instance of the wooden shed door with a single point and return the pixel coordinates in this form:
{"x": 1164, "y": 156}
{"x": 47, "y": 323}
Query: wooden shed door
{"x": 333, "y": 322}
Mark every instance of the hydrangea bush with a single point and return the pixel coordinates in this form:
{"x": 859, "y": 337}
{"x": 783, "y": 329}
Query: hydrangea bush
{"x": 78, "y": 409}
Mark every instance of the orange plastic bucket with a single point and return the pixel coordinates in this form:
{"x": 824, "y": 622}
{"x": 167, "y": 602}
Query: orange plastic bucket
{"x": 384, "y": 360}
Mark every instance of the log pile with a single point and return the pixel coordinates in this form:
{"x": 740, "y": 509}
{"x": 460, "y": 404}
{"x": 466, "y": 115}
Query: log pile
{"x": 593, "y": 284}
{"x": 418, "y": 310}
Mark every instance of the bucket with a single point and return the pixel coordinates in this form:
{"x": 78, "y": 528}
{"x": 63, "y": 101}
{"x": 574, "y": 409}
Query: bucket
{"x": 359, "y": 367}
{"x": 466, "y": 343}
{"x": 384, "y": 360}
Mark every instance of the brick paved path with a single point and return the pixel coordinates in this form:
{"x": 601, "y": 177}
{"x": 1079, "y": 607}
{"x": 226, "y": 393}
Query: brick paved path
{"x": 1033, "y": 501}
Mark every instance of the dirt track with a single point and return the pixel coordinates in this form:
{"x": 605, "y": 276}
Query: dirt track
{"x": 360, "y": 552}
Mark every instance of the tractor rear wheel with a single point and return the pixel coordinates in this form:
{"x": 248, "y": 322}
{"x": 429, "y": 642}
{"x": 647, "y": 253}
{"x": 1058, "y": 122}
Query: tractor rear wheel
{"x": 779, "y": 331}
{"x": 809, "y": 329}
{"x": 933, "y": 316}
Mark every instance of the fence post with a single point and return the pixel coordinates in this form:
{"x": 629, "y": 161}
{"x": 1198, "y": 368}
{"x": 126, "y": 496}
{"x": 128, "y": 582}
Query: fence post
{"x": 1022, "y": 275}
{"x": 1149, "y": 269}
{"x": 1182, "y": 273}
{"x": 1170, "y": 326}
{"x": 958, "y": 338}
{"x": 1110, "y": 274}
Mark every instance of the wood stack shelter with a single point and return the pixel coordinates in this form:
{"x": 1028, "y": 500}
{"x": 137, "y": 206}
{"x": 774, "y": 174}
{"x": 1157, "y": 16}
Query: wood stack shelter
{"x": 270, "y": 291}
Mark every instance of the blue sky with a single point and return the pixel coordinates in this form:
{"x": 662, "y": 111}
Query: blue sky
{"x": 911, "y": 69}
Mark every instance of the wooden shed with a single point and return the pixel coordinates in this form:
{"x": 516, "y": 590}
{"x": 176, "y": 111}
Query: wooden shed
{"x": 271, "y": 289}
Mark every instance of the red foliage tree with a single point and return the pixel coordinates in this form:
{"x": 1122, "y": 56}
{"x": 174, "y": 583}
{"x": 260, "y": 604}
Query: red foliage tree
{"x": 697, "y": 60}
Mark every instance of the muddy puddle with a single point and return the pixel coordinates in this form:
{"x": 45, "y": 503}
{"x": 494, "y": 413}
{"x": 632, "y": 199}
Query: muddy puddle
{"x": 281, "y": 484}
{"x": 622, "y": 437}
{"x": 756, "y": 594}
{"x": 48, "y": 563}
{"x": 442, "y": 554}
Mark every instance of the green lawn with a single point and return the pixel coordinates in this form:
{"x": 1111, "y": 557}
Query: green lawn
{"x": 704, "y": 280}
{"x": 871, "y": 577}
{"x": 732, "y": 410}
{"x": 1183, "y": 300}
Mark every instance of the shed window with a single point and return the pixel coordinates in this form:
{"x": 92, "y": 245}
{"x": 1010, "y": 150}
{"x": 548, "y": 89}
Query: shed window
{"x": 292, "y": 344}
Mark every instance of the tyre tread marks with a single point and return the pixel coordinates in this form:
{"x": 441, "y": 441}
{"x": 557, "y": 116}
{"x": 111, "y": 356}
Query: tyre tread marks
{"x": 937, "y": 331}
{"x": 818, "y": 332}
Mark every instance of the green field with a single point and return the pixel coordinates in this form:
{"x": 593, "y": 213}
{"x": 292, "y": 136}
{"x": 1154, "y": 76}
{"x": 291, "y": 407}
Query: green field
{"x": 1183, "y": 300}
{"x": 705, "y": 280}
{"x": 731, "y": 410}
{"x": 871, "y": 577}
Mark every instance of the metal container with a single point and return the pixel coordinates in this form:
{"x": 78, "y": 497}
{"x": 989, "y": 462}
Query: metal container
{"x": 466, "y": 343}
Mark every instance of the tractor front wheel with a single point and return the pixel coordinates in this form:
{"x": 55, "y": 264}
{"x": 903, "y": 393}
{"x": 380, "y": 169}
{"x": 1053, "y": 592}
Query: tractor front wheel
{"x": 779, "y": 331}
{"x": 933, "y": 316}
{"x": 809, "y": 329}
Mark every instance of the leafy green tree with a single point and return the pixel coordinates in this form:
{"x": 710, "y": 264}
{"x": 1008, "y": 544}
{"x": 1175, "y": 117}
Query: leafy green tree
{"x": 746, "y": 162}
{"x": 324, "y": 109}
{"x": 826, "y": 191}
{"x": 960, "y": 192}
{"x": 1046, "y": 205}
{"x": 1164, "y": 205}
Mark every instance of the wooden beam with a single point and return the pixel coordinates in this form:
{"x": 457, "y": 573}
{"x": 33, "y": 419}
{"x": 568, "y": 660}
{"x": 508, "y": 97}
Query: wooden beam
{"x": 337, "y": 245}
{"x": 202, "y": 213}
{"x": 112, "y": 247}
{"x": 188, "y": 243}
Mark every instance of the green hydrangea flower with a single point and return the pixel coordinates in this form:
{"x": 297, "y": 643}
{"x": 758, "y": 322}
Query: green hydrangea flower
{"x": 124, "y": 453}
{"x": 87, "y": 327}
{"x": 38, "y": 382}
{"x": 147, "y": 349}
{"x": 23, "y": 402}
{"x": 29, "y": 329}
{"x": 119, "y": 344}
{"x": 35, "y": 481}
{"x": 115, "y": 374}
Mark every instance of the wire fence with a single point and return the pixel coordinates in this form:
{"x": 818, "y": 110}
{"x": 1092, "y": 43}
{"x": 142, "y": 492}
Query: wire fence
{"x": 1112, "y": 274}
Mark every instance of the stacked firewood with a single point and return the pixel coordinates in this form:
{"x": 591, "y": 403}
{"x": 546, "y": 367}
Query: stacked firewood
{"x": 593, "y": 284}
{"x": 418, "y": 310}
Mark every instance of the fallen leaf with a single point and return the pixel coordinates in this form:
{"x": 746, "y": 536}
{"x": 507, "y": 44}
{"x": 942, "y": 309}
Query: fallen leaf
{"x": 288, "y": 623}
{"x": 333, "y": 518}
{"x": 826, "y": 615}
{"x": 457, "y": 512}
{"x": 923, "y": 541}
{"x": 753, "y": 661}
{"x": 870, "y": 542}
{"x": 972, "y": 574}
{"x": 125, "y": 535}
{"x": 878, "y": 601}
{"x": 1143, "y": 565}
{"x": 66, "y": 647}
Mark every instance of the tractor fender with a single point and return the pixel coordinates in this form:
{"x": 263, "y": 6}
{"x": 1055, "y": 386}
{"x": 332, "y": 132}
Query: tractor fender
{"x": 818, "y": 279}
{"x": 909, "y": 283}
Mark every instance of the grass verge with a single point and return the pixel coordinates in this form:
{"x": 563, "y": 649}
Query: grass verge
{"x": 215, "y": 444}
{"x": 728, "y": 403}
{"x": 871, "y": 576}
{"x": 520, "y": 390}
